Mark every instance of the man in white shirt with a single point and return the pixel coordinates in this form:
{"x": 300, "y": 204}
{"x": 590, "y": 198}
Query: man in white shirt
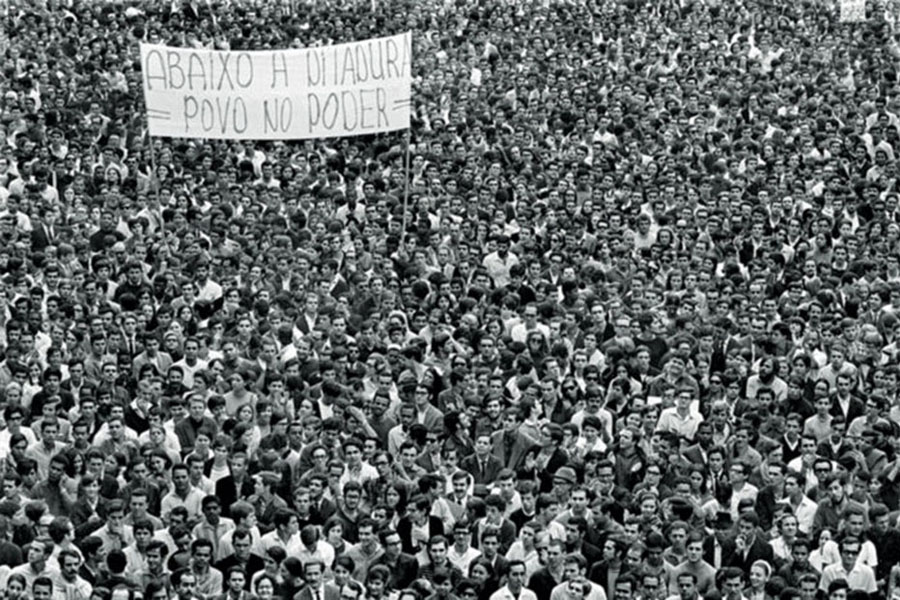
{"x": 800, "y": 504}
{"x": 461, "y": 553}
{"x": 680, "y": 419}
{"x": 182, "y": 494}
{"x": 858, "y": 576}
{"x": 515, "y": 584}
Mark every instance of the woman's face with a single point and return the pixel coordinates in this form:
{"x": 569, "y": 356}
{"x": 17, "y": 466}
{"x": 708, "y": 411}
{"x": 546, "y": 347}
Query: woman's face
{"x": 341, "y": 574}
{"x": 757, "y": 577}
{"x": 15, "y": 589}
{"x": 479, "y": 573}
{"x": 335, "y": 535}
{"x": 392, "y": 496}
{"x": 265, "y": 589}
{"x": 245, "y": 414}
{"x": 696, "y": 480}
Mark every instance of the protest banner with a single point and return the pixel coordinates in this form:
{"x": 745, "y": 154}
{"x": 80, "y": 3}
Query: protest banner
{"x": 853, "y": 11}
{"x": 349, "y": 89}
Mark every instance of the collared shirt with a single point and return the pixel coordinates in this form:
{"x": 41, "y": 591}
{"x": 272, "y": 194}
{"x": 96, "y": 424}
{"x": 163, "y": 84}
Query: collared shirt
{"x": 115, "y": 542}
{"x": 137, "y": 563}
{"x": 860, "y": 577}
{"x": 292, "y": 546}
{"x": 42, "y": 456}
{"x": 805, "y": 513}
{"x": 192, "y": 502}
{"x": 71, "y": 590}
{"x": 505, "y": 593}
{"x": 204, "y": 530}
{"x": 684, "y": 426}
{"x": 210, "y": 583}
{"x": 323, "y": 552}
{"x": 462, "y": 560}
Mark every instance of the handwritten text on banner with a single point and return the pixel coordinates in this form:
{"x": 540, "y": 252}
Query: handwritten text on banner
{"x": 331, "y": 91}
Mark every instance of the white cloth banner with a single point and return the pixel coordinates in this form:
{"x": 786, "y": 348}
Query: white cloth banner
{"x": 331, "y": 91}
{"x": 853, "y": 11}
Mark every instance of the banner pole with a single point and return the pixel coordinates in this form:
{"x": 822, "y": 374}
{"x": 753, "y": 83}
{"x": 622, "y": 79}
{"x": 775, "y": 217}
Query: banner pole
{"x": 156, "y": 184}
{"x": 406, "y": 183}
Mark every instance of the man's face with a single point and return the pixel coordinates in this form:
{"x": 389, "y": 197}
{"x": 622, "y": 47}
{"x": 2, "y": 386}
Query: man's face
{"x": 313, "y": 576}
{"x": 181, "y": 479}
{"x": 836, "y": 491}
{"x": 186, "y": 588}
{"x": 70, "y": 567}
{"x": 154, "y": 560}
{"x": 733, "y": 588}
{"x": 202, "y": 556}
{"x": 41, "y": 592}
{"x": 236, "y": 582}
{"x": 686, "y": 587}
{"x": 694, "y": 552}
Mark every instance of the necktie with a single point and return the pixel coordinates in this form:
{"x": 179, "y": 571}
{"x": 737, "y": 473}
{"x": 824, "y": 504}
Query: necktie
{"x": 315, "y": 594}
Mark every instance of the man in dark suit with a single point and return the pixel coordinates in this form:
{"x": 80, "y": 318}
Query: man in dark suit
{"x": 242, "y": 557}
{"x": 234, "y": 487}
{"x": 151, "y": 355}
{"x": 748, "y": 547}
{"x": 483, "y": 466}
{"x": 44, "y": 234}
{"x": 418, "y": 516}
{"x": 599, "y": 571}
{"x": 321, "y": 508}
{"x": 548, "y": 577}
{"x": 316, "y": 588}
{"x": 719, "y": 547}
{"x": 509, "y": 445}
{"x": 404, "y": 567}
{"x": 576, "y": 529}
{"x": 844, "y": 402}
{"x": 696, "y": 453}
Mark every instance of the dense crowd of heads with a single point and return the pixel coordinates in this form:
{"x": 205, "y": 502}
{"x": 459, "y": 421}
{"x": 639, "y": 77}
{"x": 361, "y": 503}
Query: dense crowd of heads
{"x": 617, "y": 317}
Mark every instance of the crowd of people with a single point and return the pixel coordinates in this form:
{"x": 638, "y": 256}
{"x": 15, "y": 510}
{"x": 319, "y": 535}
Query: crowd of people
{"x": 617, "y": 318}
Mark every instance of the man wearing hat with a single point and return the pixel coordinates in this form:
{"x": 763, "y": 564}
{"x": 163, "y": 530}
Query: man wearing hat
{"x": 719, "y": 546}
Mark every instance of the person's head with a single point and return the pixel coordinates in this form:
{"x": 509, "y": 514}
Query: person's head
{"x": 313, "y": 571}
{"x": 265, "y": 587}
{"x": 837, "y": 589}
{"x": 747, "y": 524}
{"x": 437, "y": 549}
{"x": 849, "y": 547}
{"x": 687, "y": 585}
{"x": 732, "y": 583}
{"x": 490, "y": 542}
{"x": 391, "y": 542}
{"x": 759, "y": 574}
{"x": 694, "y": 547}
{"x": 235, "y": 578}
{"x": 625, "y": 587}
{"x": 201, "y": 552}
{"x": 377, "y": 580}
{"x": 515, "y": 571}
{"x": 42, "y": 588}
